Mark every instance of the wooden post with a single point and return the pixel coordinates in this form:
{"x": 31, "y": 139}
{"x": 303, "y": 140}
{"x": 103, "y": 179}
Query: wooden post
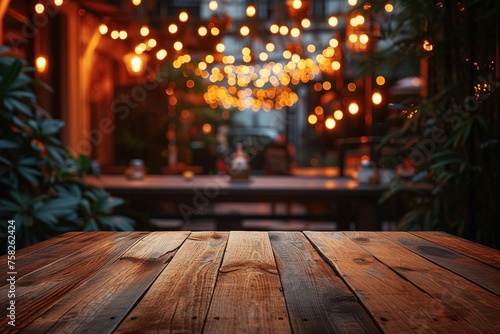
{"x": 3, "y": 9}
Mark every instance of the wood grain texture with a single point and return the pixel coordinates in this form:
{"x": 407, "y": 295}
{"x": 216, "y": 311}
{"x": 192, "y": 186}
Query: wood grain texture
{"x": 396, "y": 304}
{"x": 248, "y": 296}
{"x": 255, "y": 282}
{"x": 479, "y": 252}
{"x": 478, "y": 272}
{"x": 190, "y": 278}
{"x": 101, "y": 303}
{"x": 50, "y": 243}
{"x": 456, "y": 296}
{"x": 43, "y": 287}
{"x": 49, "y": 251}
{"x": 318, "y": 301}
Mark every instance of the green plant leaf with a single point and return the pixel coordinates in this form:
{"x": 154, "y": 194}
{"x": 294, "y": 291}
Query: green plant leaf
{"x": 8, "y": 144}
{"x": 9, "y": 76}
{"x": 20, "y": 106}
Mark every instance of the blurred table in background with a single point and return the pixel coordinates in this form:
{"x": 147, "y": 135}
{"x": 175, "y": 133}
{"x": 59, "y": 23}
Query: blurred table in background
{"x": 171, "y": 196}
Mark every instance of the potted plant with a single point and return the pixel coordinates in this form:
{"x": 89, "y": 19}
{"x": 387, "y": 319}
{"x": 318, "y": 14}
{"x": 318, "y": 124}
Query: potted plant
{"x": 42, "y": 189}
{"x": 450, "y": 136}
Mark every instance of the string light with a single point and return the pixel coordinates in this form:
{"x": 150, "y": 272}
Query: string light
{"x": 263, "y": 86}
{"x": 144, "y": 31}
{"x": 251, "y": 11}
{"x": 103, "y": 29}
{"x": 39, "y": 8}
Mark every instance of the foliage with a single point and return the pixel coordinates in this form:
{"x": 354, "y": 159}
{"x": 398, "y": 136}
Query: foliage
{"x": 451, "y": 135}
{"x": 41, "y": 184}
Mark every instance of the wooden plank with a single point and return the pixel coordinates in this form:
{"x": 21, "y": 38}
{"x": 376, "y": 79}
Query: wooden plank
{"x": 248, "y": 296}
{"x": 38, "y": 290}
{"x": 101, "y": 303}
{"x": 35, "y": 257}
{"x": 479, "y": 252}
{"x": 22, "y": 252}
{"x": 475, "y": 271}
{"x": 190, "y": 277}
{"x": 451, "y": 292}
{"x": 396, "y": 304}
{"x": 317, "y": 300}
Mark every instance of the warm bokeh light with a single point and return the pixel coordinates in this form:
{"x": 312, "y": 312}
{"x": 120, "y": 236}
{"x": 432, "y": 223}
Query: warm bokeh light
{"x": 351, "y": 86}
{"x": 380, "y": 80}
{"x": 330, "y": 123}
{"x": 327, "y": 85}
{"x": 377, "y": 98}
{"x": 161, "y": 54}
{"x": 296, "y": 4}
{"x": 338, "y": 114}
{"x": 353, "y": 108}
{"x": 295, "y": 32}
{"x": 284, "y": 30}
{"x": 427, "y": 45}
{"x": 206, "y": 128}
{"x": 220, "y": 47}
{"x": 363, "y": 38}
{"x": 251, "y": 11}
{"x": 39, "y": 8}
{"x": 136, "y": 2}
{"x": 318, "y": 110}
{"x": 333, "y": 43}
{"x": 178, "y": 46}
{"x": 140, "y": 48}
{"x": 389, "y": 8}
{"x": 123, "y": 34}
{"x": 333, "y": 21}
{"x": 353, "y": 38}
{"x": 244, "y": 31}
{"x": 144, "y": 31}
{"x": 312, "y": 119}
{"x": 214, "y": 31}
{"x": 41, "y": 64}
{"x": 136, "y": 64}
{"x": 213, "y": 5}
{"x": 58, "y": 2}
{"x": 183, "y": 16}
{"x": 115, "y": 34}
{"x": 152, "y": 43}
{"x": 202, "y": 31}
{"x": 103, "y": 29}
{"x": 274, "y": 28}
{"x": 173, "y": 28}
{"x": 305, "y": 23}
{"x": 360, "y": 19}
{"x": 352, "y": 3}
{"x": 270, "y": 47}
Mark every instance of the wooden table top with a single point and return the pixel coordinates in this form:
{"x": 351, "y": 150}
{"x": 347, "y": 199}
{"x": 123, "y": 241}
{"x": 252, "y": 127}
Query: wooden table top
{"x": 253, "y": 282}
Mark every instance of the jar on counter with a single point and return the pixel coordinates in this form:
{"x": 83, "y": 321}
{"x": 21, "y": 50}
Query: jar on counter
{"x": 136, "y": 170}
{"x": 367, "y": 172}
